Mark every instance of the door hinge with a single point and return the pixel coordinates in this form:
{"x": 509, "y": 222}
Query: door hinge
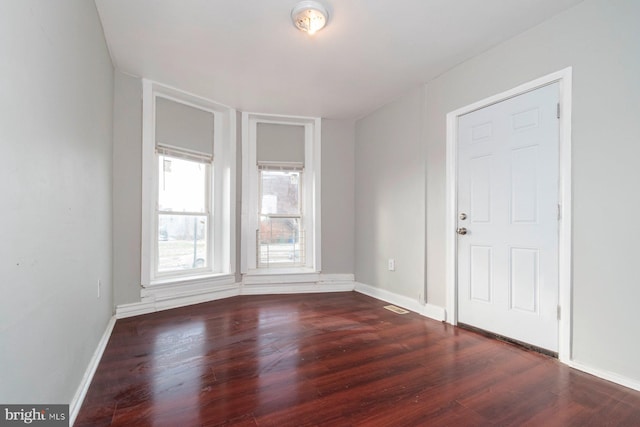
{"x": 559, "y": 211}
{"x": 558, "y": 110}
{"x": 559, "y": 313}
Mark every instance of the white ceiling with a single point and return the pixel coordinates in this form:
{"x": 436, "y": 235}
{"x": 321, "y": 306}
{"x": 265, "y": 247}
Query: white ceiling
{"x": 247, "y": 53}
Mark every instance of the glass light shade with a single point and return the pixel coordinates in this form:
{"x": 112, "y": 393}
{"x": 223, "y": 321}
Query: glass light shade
{"x": 309, "y": 16}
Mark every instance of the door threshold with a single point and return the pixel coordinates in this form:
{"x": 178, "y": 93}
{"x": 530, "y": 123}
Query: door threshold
{"x": 499, "y": 337}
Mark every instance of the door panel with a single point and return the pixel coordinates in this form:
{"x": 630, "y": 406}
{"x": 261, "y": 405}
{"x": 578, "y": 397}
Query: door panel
{"x": 481, "y": 273}
{"x": 524, "y": 179}
{"x": 508, "y": 175}
{"x": 481, "y": 189}
{"x": 523, "y": 283}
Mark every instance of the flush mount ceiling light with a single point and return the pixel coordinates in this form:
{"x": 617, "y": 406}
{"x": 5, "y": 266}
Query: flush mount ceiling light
{"x": 309, "y": 16}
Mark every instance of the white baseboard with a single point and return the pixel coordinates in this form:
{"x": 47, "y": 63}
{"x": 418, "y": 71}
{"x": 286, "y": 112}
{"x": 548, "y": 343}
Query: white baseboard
{"x": 296, "y": 288}
{"x": 428, "y": 310}
{"x": 167, "y": 297}
{"x": 435, "y": 312}
{"x": 134, "y": 309}
{"x": 296, "y": 283}
{"x": 605, "y": 375}
{"x": 278, "y": 279}
{"x": 190, "y": 299}
{"x": 78, "y": 398}
{"x": 166, "y": 300}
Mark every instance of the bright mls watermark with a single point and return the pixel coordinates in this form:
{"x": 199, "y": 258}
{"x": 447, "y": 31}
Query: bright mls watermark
{"x": 36, "y": 415}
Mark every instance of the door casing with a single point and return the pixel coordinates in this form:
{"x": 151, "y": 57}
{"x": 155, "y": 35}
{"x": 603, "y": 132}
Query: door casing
{"x": 564, "y": 79}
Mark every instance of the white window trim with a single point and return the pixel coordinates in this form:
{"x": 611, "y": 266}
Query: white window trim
{"x": 311, "y": 191}
{"x": 223, "y": 222}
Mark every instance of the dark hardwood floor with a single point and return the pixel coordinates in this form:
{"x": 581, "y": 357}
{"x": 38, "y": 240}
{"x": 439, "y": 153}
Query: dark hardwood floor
{"x": 336, "y": 360}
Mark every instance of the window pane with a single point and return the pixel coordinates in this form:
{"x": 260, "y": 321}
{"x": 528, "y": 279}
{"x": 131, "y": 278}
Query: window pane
{"x": 280, "y": 192}
{"x": 182, "y": 242}
{"x": 280, "y": 242}
{"x": 182, "y": 185}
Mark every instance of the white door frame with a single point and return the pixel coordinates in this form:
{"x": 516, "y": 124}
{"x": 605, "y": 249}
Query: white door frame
{"x": 563, "y": 77}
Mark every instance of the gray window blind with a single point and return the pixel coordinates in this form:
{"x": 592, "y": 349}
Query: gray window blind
{"x": 183, "y": 129}
{"x": 280, "y": 143}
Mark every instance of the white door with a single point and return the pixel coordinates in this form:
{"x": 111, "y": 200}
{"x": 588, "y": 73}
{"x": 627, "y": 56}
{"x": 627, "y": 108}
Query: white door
{"x": 508, "y": 172}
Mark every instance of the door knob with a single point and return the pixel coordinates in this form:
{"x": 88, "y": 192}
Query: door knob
{"x": 462, "y": 231}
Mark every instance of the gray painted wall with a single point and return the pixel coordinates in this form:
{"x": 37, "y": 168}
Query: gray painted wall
{"x": 127, "y": 187}
{"x": 599, "y": 39}
{"x": 389, "y": 194}
{"x": 338, "y": 206}
{"x": 56, "y": 81}
{"x": 337, "y": 191}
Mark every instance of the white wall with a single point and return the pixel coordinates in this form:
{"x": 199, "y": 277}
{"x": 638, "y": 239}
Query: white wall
{"x": 600, "y": 39}
{"x": 389, "y": 193}
{"x": 56, "y": 81}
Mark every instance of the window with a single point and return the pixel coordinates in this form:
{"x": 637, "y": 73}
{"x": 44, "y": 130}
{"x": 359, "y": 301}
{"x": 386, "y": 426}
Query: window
{"x": 281, "y": 194}
{"x": 183, "y": 214}
{"x": 188, "y": 217}
{"x": 280, "y": 235}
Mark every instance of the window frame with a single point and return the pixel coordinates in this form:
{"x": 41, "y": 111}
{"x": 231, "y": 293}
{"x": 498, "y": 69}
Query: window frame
{"x": 221, "y": 194}
{"x": 311, "y": 193}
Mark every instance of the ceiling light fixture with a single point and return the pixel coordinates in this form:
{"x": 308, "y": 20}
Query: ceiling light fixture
{"x": 309, "y": 16}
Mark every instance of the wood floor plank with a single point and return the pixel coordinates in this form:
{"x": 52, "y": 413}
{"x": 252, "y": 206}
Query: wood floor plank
{"x": 332, "y": 359}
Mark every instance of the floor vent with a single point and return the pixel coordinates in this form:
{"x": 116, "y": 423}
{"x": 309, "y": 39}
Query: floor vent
{"x": 395, "y": 309}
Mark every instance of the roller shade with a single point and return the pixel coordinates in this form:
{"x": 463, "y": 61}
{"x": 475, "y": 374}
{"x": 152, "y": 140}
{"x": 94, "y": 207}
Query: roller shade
{"x": 280, "y": 144}
{"x": 181, "y": 128}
